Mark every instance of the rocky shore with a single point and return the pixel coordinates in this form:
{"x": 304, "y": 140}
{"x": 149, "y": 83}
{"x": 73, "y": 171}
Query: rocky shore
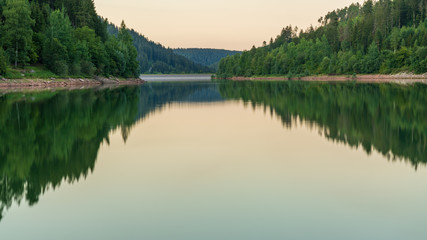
{"x": 66, "y": 82}
{"x": 401, "y": 78}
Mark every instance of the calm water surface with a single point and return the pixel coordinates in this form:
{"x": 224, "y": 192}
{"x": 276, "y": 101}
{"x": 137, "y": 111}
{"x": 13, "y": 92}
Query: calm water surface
{"x": 247, "y": 160}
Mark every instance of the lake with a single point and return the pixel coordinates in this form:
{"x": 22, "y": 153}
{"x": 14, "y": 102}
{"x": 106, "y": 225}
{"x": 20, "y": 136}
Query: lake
{"x": 205, "y": 160}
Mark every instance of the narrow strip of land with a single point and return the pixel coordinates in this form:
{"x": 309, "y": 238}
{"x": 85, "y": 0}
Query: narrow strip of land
{"x": 65, "y": 82}
{"x": 398, "y": 78}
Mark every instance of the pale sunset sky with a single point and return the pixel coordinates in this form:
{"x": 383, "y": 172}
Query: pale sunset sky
{"x": 228, "y": 24}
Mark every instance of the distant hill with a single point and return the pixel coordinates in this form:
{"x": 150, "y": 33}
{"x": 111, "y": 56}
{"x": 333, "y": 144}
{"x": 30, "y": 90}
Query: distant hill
{"x": 205, "y": 56}
{"x": 155, "y": 58}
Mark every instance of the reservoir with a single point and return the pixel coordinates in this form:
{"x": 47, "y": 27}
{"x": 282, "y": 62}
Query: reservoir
{"x": 215, "y": 160}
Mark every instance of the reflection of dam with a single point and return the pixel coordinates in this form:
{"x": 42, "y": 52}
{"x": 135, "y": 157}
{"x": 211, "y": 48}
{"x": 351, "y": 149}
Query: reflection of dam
{"x": 156, "y": 95}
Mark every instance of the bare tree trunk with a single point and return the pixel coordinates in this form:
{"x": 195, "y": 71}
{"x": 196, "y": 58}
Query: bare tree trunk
{"x": 16, "y": 55}
{"x": 413, "y": 17}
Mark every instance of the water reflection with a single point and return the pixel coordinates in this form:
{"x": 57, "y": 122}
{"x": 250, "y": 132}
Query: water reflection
{"x": 391, "y": 119}
{"x": 155, "y": 96}
{"x": 54, "y": 136}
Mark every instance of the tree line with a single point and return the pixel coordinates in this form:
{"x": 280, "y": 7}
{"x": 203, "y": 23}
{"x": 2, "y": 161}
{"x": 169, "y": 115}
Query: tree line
{"x": 205, "y": 56}
{"x": 67, "y": 36}
{"x": 385, "y": 36}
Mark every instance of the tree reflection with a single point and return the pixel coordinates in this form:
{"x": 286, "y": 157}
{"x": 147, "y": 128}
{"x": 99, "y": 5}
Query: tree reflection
{"x": 50, "y": 137}
{"x": 391, "y": 119}
{"x": 54, "y": 136}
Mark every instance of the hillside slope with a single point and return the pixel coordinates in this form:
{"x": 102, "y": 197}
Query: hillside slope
{"x": 65, "y": 36}
{"x": 155, "y": 58}
{"x": 205, "y": 56}
{"x": 386, "y": 36}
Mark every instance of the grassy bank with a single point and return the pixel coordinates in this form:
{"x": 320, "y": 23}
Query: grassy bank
{"x": 33, "y": 72}
{"x": 39, "y": 77}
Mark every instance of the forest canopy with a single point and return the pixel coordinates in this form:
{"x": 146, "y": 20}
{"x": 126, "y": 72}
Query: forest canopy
{"x": 205, "y": 56}
{"x": 386, "y": 36}
{"x": 155, "y": 58}
{"x": 66, "y": 36}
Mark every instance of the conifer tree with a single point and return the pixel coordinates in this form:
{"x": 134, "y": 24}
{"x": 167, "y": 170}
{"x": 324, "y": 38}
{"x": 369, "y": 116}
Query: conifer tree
{"x": 17, "y": 32}
{"x": 3, "y": 62}
{"x": 58, "y": 43}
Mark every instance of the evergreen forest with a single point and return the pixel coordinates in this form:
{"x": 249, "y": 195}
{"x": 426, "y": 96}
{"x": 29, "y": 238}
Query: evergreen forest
{"x": 205, "y": 56}
{"x": 155, "y": 58}
{"x": 376, "y": 37}
{"x": 66, "y": 36}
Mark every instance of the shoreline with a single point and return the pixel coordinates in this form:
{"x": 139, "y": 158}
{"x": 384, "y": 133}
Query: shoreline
{"x": 402, "y": 78}
{"x": 71, "y": 83}
{"x": 176, "y": 77}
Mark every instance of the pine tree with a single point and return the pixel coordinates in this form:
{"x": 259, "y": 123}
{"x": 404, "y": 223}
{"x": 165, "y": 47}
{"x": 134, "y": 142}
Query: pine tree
{"x": 17, "y": 37}
{"x": 3, "y": 62}
{"x": 58, "y": 43}
{"x": 129, "y": 51}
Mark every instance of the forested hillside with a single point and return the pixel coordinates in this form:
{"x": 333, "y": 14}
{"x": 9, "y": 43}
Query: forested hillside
{"x": 67, "y": 36}
{"x": 385, "y": 36}
{"x": 205, "y": 56}
{"x": 155, "y": 58}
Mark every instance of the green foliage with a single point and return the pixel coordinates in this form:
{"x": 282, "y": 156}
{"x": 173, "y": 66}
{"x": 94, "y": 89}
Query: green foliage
{"x": 90, "y": 51}
{"x": 205, "y": 57}
{"x": 155, "y": 58}
{"x": 60, "y": 67}
{"x": 58, "y": 43}
{"x": 376, "y": 37}
{"x": 372, "y": 57}
{"x": 419, "y": 60}
{"x": 122, "y": 54}
{"x": 129, "y": 52}
{"x": 30, "y": 72}
{"x": 87, "y": 68}
{"x": 36, "y": 72}
{"x": 65, "y": 35}
{"x": 17, "y": 32}
{"x": 3, "y": 62}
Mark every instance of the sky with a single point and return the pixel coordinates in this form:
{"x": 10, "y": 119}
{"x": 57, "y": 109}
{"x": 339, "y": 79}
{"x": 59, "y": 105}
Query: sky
{"x": 225, "y": 24}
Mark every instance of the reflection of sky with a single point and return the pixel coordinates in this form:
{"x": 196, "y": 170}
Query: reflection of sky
{"x": 223, "y": 171}
{"x": 235, "y": 24}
